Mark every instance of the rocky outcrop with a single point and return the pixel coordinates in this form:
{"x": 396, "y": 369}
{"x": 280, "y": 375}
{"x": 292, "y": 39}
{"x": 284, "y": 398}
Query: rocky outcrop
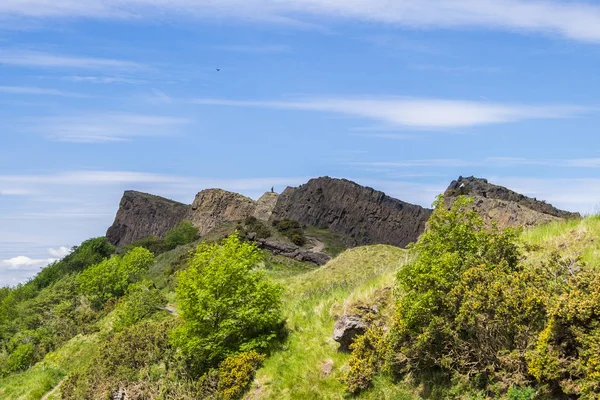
{"x": 363, "y": 215}
{"x": 290, "y": 250}
{"x": 346, "y": 329}
{"x": 265, "y": 206}
{"x": 141, "y": 215}
{"x": 213, "y": 207}
{"x": 504, "y": 206}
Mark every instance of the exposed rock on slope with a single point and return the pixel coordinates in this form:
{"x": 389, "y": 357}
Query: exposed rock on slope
{"x": 265, "y": 206}
{"x": 141, "y": 215}
{"x": 362, "y": 214}
{"x": 213, "y": 207}
{"x": 506, "y": 207}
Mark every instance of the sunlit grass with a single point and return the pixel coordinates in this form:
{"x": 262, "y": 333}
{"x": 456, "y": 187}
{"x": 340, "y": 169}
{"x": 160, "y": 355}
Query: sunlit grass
{"x": 45, "y": 375}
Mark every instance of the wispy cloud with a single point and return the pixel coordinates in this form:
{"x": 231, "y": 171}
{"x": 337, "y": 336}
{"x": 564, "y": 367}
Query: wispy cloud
{"x": 103, "y": 79}
{"x": 453, "y": 68}
{"x": 415, "y": 112}
{"x": 29, "y": 90}
{"x": 496, "y": 162}
{"x": 36, "y": 59}
{"x": 574, "y": 20}
{"x": 255, "y": 49}
{"x": 109, "y": 127}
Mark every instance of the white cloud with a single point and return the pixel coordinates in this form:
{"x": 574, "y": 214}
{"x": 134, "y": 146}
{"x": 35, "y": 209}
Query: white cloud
{"x": 102, "y": 79}
{"x": 36, "y": 59}
{"x": 23, "y": 262}
{"x": 60, "y": 252}
{"x": 107, "y": 127}
{"x": 77, "y": 178}
{"x": 28, "y": 90}
{"x": 416, "y": 113}
{"x": 574, "y": 20}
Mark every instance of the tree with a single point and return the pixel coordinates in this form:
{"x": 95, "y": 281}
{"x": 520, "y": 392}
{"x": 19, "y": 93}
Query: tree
{"x": 111, "y": 277}
{"x": 227, "y": 304}
{"x": 183, "y": 233}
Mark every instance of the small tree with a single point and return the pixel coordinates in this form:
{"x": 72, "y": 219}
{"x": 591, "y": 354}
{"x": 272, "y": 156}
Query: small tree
{"x": 183, "y": 233}
{"x": 228, "y": 305}
{"x": 111, "y": 277}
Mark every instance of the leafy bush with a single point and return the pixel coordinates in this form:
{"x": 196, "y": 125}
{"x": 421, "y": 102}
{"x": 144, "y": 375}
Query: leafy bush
{"x": 227, "y": 304}
{"x": 567, "y": 351}
{"x": 521, "y": 393}
{"x": 152, "y": 243}
{"x": 111, "y": 277}
{"x": 292, "y": 230}
{"x": 21, "y": 358}
{"x": 466, "y": 307}
{"x": 183, "y": 233}
{"x": 368, "y": 355}
{"x": 253, "y": 225}
{"x": 90, "y": 252}
{"x": 141, "y": 301}
{"x": 123, "y": 359}
{"x": 236, "y": 374}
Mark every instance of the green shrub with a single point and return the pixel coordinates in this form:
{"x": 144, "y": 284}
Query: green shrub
{"x": 124, "y": 358}
{"x": 89, "y": 253}
{"x": 292, "y": 230}
{"x": 521, "y": 393}
{"x": 567, "y": 352}
{"x": 466, "y": 307}
{"x": 21, "y": 358}
{"x": 236, "y": 374}
{"x": 227, "y": 304}
{"x": 153, "y": 244}
{"x": 111, "y": 277}
{"x": 140, "y": 302}
{"x": 368, "y": 354}
{"x": 183, "y": 233}
{"x": 253, "y": 225}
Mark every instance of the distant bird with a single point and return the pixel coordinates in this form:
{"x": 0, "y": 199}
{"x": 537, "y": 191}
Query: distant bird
{"x": 218, "y": 69}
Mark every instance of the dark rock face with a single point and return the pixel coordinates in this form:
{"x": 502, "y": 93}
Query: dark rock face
{"x": 141, "y": 215}
{"x": 346, "y": 329}
{"x": 363, "y": 215}
{"x": 478, "y": 187}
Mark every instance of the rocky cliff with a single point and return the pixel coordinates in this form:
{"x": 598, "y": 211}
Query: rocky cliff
{"x": 363, "y": 215}
{"x": 213, "y": 207}
{"x": 141, "y": 215}
{"x": 504, "y": 206}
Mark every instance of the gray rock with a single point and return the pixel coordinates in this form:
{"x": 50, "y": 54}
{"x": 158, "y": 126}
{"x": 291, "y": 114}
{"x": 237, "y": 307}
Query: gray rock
{"x": 290, "y": 250}
{"x": 504, "y": 206}
{"x": 141, "y": 215}
{"x": 346, "y": 329}
{"x": 361, "y": 214}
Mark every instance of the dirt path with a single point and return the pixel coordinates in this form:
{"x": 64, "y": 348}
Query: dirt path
{"x": 54, "y": 389}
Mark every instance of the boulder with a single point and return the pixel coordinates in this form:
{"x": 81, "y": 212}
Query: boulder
{"x": 346, "y": 329}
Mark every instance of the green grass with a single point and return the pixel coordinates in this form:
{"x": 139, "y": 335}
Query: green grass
{"x": 573, "y": 238}
{"x": 45, "y": 375}
{"x": 334, "y": 242}
{"x": 311, "y": 302}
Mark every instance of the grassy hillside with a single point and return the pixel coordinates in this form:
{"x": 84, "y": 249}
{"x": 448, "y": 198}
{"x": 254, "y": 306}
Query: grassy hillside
{"x": 307, "y": 365}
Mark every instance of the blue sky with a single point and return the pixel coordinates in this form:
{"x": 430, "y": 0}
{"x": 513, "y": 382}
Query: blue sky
{"x": 403, "y": 95}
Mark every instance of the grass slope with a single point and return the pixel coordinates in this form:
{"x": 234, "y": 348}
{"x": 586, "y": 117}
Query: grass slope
{"x": 45, "y": 375}
{"x": 314, "y": 297}
{"x": 311, "y": 302}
